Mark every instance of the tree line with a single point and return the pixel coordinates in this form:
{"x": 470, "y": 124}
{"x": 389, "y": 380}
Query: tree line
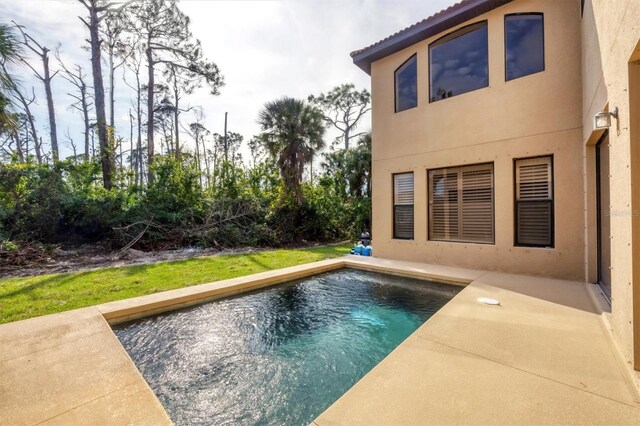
{"x": 146, "y": 186}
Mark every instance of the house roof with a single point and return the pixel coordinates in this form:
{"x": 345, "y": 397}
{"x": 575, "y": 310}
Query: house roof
{"x": 441, "y": 21}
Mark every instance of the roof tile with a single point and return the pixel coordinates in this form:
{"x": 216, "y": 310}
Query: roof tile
{"x": 450, "y": 9}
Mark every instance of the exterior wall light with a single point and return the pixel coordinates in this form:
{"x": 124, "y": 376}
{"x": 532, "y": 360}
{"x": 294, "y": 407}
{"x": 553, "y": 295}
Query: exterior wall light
{"x": 602, "y": 120}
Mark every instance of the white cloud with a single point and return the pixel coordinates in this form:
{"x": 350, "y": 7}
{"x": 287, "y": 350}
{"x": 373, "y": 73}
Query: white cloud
{"x": 265, "y": 49}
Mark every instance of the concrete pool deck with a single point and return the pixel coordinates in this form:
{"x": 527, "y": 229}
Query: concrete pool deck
{"x": 544, "y": 355}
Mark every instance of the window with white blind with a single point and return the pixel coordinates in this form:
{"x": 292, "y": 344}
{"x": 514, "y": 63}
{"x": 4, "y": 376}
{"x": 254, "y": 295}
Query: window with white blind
{"x": 461, "y": 203}
{"x": 534, "y": 202}
{"x": 403, "y": 206}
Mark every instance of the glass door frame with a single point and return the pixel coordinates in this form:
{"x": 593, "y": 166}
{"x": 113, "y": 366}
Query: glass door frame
{"x": 604, "y": 138}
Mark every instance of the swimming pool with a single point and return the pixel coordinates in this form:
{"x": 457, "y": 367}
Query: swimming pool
{"x": 280, "y": 355}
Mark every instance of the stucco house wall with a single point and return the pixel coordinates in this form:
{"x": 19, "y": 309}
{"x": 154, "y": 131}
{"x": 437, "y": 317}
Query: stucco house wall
{"x": 539, "y": 114}
{"x": 611, "y": 78}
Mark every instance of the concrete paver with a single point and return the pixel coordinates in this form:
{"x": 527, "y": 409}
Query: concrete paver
{"x": 423, "y": 382}
{"x": 542, "y": 357}
{"x": 50, "y": 330}
{"x": 550, "y": 340}
{"x": 116, "y": 409}
{"x": 76, "y": 362}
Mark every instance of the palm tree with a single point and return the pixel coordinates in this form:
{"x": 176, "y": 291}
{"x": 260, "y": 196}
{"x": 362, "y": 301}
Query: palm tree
{"x": 360, "y": 182}
{"x": 292, "y": 134}
{"x": 10, "y": 53}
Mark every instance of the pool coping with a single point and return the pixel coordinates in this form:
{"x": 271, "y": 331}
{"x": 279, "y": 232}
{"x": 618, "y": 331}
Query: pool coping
{"x": 138, "y": 307}
{"x": 56, "y": 364}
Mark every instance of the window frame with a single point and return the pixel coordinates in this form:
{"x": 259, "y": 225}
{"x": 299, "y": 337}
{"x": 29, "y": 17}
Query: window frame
{"x": 448, "y": 37}
{"x": 493, "y": 209}
{"x": 516, "y": 202}
{"x": 393, "y": 205}
{"x": 395, "y": 84}
{"x": 544, "y": 52}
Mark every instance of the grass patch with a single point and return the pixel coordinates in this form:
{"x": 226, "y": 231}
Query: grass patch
{"x": 22, "y": 298}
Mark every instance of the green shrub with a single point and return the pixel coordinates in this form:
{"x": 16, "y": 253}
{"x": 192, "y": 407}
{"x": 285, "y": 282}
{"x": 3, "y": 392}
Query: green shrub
{"x": 66, "y": 203}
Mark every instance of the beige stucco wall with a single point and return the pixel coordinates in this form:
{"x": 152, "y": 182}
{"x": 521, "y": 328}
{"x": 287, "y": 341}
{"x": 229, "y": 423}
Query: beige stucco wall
{"x": 611, "y": 78}
{"x": 530, "y": 116}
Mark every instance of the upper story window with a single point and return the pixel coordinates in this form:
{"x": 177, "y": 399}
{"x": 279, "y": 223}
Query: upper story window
{"x": 458, "y": 62}
{"x": 406, "y": 85}
{"x": 524, "y": 44}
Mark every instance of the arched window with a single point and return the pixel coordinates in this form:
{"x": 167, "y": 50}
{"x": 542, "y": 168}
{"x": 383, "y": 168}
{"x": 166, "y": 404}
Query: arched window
{"x": 406, "y": 85}
{"x": 458, "y": 62}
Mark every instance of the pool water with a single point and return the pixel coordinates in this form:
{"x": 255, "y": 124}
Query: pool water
{"x": 280, "y": 355}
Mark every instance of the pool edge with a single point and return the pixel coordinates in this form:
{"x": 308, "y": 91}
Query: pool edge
{"x": 139, "y": 307}
{"x": 85, "y": 333}
{"x": 53, "y": 357}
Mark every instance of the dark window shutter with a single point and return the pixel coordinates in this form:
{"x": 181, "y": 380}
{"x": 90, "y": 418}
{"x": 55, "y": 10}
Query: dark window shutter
{"x": 403, "y": 206}
{"x": 534, "y": 202}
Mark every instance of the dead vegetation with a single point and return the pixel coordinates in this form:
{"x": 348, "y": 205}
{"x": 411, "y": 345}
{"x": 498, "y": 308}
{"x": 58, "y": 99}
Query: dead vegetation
{"x": 35, "y": 259}
{"x": 15, "y": 256}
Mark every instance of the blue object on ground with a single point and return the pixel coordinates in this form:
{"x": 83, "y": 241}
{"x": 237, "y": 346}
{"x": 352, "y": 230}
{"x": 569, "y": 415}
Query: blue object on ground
{"x": 361, "y": 250}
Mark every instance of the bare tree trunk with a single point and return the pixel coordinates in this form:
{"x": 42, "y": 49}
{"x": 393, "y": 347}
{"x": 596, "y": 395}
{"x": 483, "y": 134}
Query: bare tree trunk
{"x": 16, "y": 139}
{"x": 166, "y": 140}
{"x": 73, "y": 146}
{"x": 311, "y": 169}
{"x": 176, "y": 124}
{"x": 206, "y": 163}
{"x": 150, "y": 93}
{"x": 139, "y": 165}
{"x": 77, "y": 79}
{"x": 346, "y": 138}
{"x": 46, "y": 78}
{"x": 112, "y": 101}
{"x": 26, "y": 141}
{"x": 197, "y": 137}
{"x": 52, "y": 113}
{"x": 34, "y": 135}
{"x": 32, "y": 125}
{"x": 131, "y": 150}
{"x": 139, "y": 140}
{"x": 85, "y": 116}
{"x": 226, "y": 147}
{"x": 106, "y": 154}
{"x": 176, "y": 115}
{"x": 168, "y": 137}
{"x": 93, "y": 144}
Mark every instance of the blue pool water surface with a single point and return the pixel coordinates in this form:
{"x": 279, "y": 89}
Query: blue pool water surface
{"x": 280, "y": 355}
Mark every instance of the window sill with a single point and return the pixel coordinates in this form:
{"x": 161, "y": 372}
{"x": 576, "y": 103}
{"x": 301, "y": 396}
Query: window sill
{"x": 405, "y": 110}
{"x": 493, "y": 243}
{"x": 534, "y": 247}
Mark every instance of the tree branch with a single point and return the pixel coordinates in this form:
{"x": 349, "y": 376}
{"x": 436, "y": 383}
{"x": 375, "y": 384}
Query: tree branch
{"x": 158, "y": 46}
{"x": 84, "y": 22}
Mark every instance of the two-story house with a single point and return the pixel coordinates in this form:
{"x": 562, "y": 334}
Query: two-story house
{"x": 506, "y": 137}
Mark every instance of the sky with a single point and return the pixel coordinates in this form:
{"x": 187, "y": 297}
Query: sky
{"x": 266, "y": 49}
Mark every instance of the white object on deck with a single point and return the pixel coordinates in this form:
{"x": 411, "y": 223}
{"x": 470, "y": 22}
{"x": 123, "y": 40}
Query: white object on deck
{"x": 489, "y": 301}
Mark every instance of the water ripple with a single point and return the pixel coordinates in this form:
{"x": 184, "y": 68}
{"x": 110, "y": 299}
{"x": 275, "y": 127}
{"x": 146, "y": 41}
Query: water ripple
{"x": 280, "y": 355}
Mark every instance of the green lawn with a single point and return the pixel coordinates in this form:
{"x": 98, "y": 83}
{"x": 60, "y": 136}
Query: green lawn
{"x": 22, "y": 298}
